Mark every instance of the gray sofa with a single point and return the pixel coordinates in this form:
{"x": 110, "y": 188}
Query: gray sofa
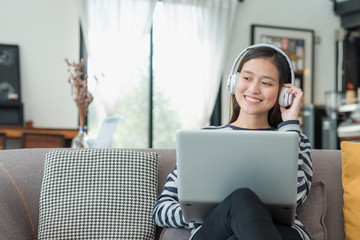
{"x": 321, "y": 213}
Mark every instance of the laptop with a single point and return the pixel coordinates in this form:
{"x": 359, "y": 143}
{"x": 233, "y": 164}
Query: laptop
{"x": 213, "y": 163}
{"x": 106, "y": 132}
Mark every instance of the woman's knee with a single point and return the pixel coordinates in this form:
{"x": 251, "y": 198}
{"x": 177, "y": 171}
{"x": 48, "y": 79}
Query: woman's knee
{"x": 243, "y": 194}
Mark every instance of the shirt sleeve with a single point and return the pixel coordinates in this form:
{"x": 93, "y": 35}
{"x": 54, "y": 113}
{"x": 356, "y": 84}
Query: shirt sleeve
{"x": 304, "y": 160}
{"x": 167, "y": 211}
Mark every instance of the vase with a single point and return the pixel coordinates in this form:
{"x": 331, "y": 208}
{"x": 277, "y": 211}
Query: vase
{"x": 81, "y": 140}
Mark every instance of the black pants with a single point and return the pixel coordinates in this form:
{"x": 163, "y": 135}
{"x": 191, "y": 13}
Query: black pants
{"x": 242, "y": 216}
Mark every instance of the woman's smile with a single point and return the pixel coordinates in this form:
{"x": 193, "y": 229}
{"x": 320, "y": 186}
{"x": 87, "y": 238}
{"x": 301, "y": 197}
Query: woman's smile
{"x": 252, "y": 99}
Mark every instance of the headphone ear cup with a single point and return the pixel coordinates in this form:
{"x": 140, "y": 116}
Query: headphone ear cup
{"x": 232, "y": 82}
{"x": 285, "y": 99}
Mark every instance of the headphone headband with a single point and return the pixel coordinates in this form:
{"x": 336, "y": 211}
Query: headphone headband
{"x": 279, "y": 50}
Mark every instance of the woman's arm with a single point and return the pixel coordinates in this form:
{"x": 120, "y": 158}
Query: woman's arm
{"x": 167, "y": 211}
{"x": 304, "y": 160}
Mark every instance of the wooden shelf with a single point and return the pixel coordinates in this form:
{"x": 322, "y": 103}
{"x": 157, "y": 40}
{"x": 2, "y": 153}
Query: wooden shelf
{"x": 15, "y": 132}
{"x": 354, "y": 138}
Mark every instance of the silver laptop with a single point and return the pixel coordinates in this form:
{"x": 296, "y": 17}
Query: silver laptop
{"x": 213, "y": 163}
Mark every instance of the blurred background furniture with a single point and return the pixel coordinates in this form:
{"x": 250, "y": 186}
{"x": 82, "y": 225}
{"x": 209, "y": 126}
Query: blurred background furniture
{"x": 2, "y": 141}
{"x": 14, "y": 134}
{"x": 42, "y": 140}
{"x": 349, "y": 129}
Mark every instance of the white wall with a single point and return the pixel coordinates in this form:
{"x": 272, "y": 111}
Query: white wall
{"x": 317, "y": 15}
{"x": 47, "y": 32}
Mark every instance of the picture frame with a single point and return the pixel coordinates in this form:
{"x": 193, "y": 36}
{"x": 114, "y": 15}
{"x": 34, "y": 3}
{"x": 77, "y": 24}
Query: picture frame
{"x": 11, "y": 107}
{"x": 9, "y": 74}
{"x": 299, "y": 45}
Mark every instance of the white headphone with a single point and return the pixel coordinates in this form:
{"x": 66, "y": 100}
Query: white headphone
{"x": 285, "y": 99}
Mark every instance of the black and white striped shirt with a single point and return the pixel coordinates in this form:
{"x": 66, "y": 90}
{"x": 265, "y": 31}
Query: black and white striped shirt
{"x": 167, "y": 210}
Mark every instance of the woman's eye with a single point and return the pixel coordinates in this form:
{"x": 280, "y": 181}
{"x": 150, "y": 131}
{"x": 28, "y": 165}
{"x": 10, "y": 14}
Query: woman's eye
{"x": 266, "y": 84}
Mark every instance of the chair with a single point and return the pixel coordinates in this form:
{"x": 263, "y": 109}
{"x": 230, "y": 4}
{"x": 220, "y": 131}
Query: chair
{"x": 2, "y": 141}
{"x": 42, "y": 140}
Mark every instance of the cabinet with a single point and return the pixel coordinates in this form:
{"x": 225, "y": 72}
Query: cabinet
{"x": 11, "y": 113}
{"x": 15, "y": 132}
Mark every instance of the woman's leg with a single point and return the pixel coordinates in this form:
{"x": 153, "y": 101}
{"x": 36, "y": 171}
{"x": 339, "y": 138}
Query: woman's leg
{"x": 288, "y": 233}
{"x": 241, "y": 214}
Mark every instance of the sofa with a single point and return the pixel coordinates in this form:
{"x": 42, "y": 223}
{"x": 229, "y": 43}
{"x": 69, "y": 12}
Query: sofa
{"x": 21, "y": 174}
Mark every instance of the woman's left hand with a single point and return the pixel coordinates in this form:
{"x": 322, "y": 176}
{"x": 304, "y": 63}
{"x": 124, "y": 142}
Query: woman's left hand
{"x": 292, "y": 112}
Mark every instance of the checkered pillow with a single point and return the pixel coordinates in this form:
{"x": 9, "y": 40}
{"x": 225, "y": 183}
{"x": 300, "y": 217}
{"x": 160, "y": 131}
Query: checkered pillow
{"x": 98, "y": 194}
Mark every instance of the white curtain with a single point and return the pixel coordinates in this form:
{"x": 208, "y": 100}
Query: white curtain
{"x": 113, "y": 32}
{"x": 197, "y": 39}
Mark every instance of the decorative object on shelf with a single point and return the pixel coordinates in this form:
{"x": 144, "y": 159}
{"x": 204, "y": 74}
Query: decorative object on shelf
{"x": 82, "y": 97}
{"x": 350, "y": 95}
{"x": 81, "y": 140}
{"x": 29, "y": 124}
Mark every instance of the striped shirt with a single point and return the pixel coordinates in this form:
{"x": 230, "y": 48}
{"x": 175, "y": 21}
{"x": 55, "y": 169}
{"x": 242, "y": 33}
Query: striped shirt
{"x": 167, "y": 211}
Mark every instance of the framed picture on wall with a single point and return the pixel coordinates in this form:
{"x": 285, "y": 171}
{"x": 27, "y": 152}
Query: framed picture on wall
{"x": 9, "y": 73}
{"x": 299, "y": 46}
{"x": 11, "y": 108}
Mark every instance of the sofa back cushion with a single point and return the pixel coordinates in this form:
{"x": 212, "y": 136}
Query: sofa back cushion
{"x": 327, "y": 168}
{"x": 21, "y": 174}
{"x": 98, "y": 194}
{"x": 312, "y": 212}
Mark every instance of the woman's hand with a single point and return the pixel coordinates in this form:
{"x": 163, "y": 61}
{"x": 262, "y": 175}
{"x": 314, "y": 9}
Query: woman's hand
{"x": 292, "y": 112}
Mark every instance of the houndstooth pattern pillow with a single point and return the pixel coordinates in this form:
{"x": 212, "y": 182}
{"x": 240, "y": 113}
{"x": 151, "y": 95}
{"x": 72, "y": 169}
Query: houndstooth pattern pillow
{"x": 98, "y": 194}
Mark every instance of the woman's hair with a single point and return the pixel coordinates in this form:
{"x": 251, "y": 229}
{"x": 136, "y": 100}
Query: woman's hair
{"x": 274, "y": 116}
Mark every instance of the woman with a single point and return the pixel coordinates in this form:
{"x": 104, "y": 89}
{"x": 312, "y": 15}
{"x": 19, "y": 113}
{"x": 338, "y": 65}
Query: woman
{"x": 261, "y": 71}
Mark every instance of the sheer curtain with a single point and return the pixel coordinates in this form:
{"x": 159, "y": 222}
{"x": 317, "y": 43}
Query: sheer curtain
{"x": 194, "y": 49}
{"x": 115, "y": 34}
{"x": 114, "y": 31}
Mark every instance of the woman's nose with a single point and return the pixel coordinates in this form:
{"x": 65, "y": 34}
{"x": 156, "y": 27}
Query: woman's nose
{"x": 254, "y": 87}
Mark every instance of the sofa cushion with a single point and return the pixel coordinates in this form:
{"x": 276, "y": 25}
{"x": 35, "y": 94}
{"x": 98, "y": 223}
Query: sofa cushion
{"x": 312, "y": 212}
{"x": 175, "y": 234}
{"x": 98, "y": 194}
{"x": 351, "y": 185}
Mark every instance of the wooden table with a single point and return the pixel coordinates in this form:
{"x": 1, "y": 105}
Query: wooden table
{"x": 15, "y": 132}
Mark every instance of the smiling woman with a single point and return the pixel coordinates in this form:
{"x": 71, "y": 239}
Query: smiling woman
{"x": 255, "y": 81}
{"x": 257, "y": 90}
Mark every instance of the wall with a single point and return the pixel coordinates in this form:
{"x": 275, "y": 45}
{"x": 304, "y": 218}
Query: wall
{"x": 47, "y": 32}
{"x": 317, "y": 15}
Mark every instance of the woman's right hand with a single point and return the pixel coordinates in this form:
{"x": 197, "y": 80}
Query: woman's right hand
{"x": 292, "y": 112}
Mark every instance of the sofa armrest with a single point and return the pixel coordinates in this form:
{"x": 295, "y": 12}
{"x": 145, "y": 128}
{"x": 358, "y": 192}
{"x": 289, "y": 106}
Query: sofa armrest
{"x": 175, "y": 234}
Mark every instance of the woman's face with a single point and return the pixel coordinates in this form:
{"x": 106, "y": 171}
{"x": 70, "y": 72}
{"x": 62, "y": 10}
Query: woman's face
{"x": 257, "y": 87}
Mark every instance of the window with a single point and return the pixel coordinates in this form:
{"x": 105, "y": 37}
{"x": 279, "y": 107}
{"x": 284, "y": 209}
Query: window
{"x": 147, "y": 118}
{"x": 152, "y": 99}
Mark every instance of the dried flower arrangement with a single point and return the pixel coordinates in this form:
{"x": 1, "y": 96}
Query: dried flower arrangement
{"x": 79, "y": 89}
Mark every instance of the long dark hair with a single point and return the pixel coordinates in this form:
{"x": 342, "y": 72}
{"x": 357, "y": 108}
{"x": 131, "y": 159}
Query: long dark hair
{"x": 274, "y": 116}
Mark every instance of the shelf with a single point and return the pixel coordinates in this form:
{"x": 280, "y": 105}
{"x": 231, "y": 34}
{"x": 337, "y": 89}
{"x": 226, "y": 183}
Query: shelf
{"x": 349, "y": 108}
{"x": 10, "y": 103}
{"x": 16, "y": 131}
